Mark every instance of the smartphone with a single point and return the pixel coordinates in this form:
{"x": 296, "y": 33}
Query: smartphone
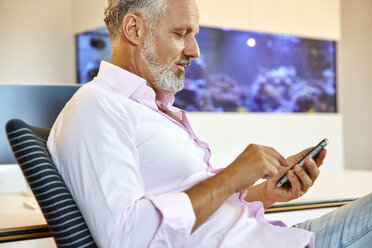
{"x": 284, "y": 180}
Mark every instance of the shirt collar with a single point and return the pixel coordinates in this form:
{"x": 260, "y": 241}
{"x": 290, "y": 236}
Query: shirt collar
{"x": 123, "y": 81}
{"x": 165, "y": 101}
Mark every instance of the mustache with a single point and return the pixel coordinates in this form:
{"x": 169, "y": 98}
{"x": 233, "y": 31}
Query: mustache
{"x": 186, "y": 61}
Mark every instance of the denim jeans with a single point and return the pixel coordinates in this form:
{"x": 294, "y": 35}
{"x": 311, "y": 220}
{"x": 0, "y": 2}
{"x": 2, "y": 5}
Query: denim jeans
{"x": 349, "y": 226}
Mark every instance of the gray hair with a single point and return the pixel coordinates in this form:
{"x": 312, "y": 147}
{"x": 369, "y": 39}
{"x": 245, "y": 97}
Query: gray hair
{"x": 149, "y": 10}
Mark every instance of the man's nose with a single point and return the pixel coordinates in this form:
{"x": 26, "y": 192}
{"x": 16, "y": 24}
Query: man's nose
{"x": 192, "y": 48}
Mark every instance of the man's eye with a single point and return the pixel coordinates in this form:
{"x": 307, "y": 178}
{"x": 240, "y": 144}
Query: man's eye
{"x": 180, "y": 35}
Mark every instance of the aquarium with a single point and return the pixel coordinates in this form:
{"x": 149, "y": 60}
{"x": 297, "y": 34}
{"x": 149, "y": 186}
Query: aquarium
{"x": 91, "y": 48}
{"x": 242, "y": 71}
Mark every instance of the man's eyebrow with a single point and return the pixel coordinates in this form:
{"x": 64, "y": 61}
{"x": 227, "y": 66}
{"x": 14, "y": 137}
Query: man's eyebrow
{"x": 187, "y": 29}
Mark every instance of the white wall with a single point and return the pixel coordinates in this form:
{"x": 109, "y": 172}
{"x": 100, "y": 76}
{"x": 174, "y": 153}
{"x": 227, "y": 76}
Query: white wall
{"x": 315, "y": 18}
{"x": 355, "y": 82}
{"x": 228, "y": 134}
{"x": 88, "y": 14}
{"x": 36, "y": 41}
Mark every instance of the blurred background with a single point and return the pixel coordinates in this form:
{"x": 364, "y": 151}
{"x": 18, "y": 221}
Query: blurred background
{"x": 38, "y": 44}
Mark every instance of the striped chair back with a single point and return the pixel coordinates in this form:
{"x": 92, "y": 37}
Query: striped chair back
{"x": 64, "y": 218}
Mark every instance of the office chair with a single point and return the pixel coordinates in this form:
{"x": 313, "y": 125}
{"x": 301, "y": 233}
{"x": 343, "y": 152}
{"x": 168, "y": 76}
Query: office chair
{"x": 65, "y": 222}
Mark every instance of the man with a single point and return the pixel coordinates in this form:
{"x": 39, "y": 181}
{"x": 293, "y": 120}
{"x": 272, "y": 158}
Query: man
{"x": 138, "y": 172}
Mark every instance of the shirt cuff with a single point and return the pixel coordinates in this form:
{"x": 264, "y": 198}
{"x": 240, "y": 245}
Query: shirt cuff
{"x": 178, "y": 219}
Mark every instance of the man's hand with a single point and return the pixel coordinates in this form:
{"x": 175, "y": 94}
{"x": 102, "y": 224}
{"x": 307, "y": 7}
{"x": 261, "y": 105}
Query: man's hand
{"x": 254, "y": 163}
{"x": 299, "y": 179}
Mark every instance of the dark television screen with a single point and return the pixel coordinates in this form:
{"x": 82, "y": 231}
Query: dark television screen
{"x": 37, "y": 105}
{"x": 242, "y": 71}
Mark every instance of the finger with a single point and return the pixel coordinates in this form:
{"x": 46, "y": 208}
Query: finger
{"x": 276, "y": 155}
{"x": 294, "y": 159}
{"x": 271, "y": 170}
{"x": 304, "y": 178}
{"x": 305, "y": 152}
{"x": 295, "y": 184}
{"x": 273, "y": 161}
{"x": 312, "y": 169}
{"x": 319, "y": 159}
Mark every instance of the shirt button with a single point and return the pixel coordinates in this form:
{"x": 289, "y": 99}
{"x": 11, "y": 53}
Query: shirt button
{"x": 146, "y": 93}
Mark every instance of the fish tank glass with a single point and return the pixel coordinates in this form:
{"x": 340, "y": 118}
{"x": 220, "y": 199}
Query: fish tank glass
{"x": 241, "y": 71}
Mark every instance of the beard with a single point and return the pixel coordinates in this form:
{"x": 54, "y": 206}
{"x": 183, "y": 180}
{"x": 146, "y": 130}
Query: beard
{"x": 165, "y": 79}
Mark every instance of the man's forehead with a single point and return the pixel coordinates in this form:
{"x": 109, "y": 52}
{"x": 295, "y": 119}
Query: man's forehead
{"x": 181, "y": 13}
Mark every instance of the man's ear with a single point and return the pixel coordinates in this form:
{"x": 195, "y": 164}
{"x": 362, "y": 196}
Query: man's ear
{"x": 133, "y": 28}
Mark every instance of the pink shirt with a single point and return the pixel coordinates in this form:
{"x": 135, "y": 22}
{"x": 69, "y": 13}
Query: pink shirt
{"x": 128, "y": 164}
